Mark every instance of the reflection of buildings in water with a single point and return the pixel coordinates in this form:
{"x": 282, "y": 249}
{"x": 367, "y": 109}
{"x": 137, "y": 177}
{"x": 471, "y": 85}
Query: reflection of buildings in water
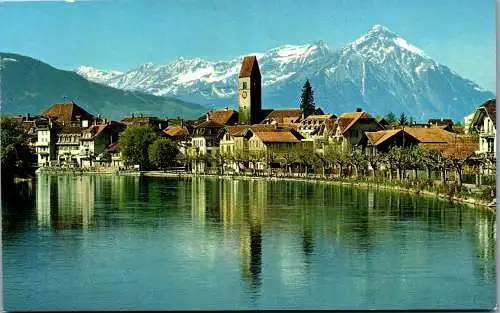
{"x": 251, "y": 255}
{"x": 228, "y": 202}
{"x": 251, "y": 205}
{"x": 307, "y": 236}
{"x": 198, "y": 199}
{"x": 485, "y": 237}
{"x": 65, "y": 201}
{"x": 371, "y": 202}
{"x": 44, "y": 183}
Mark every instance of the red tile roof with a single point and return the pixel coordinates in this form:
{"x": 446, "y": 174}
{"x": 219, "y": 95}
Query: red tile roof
{"x": 348, "y": 119}
{"x": 378, "y": 137}
{"x": 222, "y": 116}
{"x": 276, "y": 136}
{"x": 209, "y": 124}
{"x": 177, "y": 131}
{"x": 70, "y": 129}
{"x": 94, "y": 130}
{"x": 247, "y": 66}
{"x": 286, "y": 116}
{"x": 66, "y": 112}
{"x": 431, "y": 135}
{"x": 460, "y": 150}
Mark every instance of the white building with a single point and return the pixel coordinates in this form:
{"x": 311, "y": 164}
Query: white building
{"x": 484, "y": 123}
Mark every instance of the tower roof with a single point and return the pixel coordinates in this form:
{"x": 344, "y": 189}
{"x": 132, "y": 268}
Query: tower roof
{"x": 249, "y": 66}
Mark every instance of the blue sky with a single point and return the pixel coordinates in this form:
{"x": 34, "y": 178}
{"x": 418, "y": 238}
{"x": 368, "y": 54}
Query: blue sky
{"x": 123, "y": 34}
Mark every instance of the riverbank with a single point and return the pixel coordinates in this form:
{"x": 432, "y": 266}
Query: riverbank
{"x": 491, "y": 206}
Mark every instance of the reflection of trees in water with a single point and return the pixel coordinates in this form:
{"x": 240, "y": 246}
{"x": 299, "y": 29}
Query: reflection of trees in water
{"x": 18, "y": 203}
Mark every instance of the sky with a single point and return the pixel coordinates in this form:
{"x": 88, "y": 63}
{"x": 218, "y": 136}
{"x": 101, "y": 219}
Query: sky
{"x": 123, "y": 34}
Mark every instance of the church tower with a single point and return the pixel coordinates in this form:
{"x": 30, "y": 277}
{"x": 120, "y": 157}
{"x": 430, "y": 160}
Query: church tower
{"x": 249, "y": 91}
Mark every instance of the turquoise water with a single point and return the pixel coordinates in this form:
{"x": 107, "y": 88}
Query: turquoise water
{"x": 120, "y": 243}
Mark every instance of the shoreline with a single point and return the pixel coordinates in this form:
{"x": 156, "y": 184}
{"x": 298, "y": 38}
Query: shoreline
{"x": 361, "y": 184}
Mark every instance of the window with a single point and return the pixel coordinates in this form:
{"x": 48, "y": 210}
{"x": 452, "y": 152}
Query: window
{"x": 244, "y": 85}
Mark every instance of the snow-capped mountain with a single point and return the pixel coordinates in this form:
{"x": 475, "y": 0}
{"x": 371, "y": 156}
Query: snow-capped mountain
{"x": 98, "y": 76}
{"x": 379, "y": 72}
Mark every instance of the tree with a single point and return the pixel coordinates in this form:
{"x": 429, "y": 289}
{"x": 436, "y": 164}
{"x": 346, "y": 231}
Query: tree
{"x": 357, "y": 160}
{"x": 403, "y": 120}
{"x": 15, "y": 155}
{"x": 163, "y": 153}
{"x": 220, "y": 159}
{"x": 304, "y": 156}
{"x": 373, "y": 159}
{"x": 286, "y": 159}
{"x": 390, "y": 118}
{"x": 269, "y": 158}
{"x": 398, "y": 158}
{"x": 307, "y": 99}
{"x": 134, "y": 145}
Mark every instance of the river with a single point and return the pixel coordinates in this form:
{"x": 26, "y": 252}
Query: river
{"x": 121, "y": 243}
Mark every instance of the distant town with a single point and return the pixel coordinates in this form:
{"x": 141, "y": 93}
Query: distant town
{"x": 259, "y": 141}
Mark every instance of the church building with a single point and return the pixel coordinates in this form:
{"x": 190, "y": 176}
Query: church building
{"x": 250, "y": 94}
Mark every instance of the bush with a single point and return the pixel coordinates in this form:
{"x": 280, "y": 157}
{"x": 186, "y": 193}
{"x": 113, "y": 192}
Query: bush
{"x": 488, "y": 194}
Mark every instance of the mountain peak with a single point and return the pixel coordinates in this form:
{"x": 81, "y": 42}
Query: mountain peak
{"x": 377, "y": 28}
{"x": 381, "y": 38}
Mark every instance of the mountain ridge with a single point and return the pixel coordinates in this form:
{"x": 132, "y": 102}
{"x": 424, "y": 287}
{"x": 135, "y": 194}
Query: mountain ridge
{"x": 379, "y": 71}
{"x": 30, "y": 85}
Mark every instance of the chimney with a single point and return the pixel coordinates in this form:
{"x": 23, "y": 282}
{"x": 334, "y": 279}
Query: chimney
{"x": 208, "y": 117}
{"x": 159, "y": 125}
{"x": 182, "y": 123}
{"x": 359, "y": 110}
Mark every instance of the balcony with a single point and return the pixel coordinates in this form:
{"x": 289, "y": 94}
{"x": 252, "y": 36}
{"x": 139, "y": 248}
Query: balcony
{"x": 487, "y": 134}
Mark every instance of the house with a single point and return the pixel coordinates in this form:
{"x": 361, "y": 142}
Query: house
{"x": 94, "y": 142}
{"x": 235, "y": 141}
{"x": 436, "y": 122}
{"x": 317, "y": 129}
{"x": 225, "y": 116}
{"x": 484, "y": 124}
{"x": 351, "y": 126}
{"x": 282, "y": 116}
{"x": 181, "y": 134}
{"x": 45, "y": 145}
{"x": 383, "y": 122}
{"x": 115, "y": 157}
{"x": 68, "y": 145}
{"x": 205, "y": 140}
{"x": 384, "y": 140}
{"x": 431, "y": 136}
{"x": 261, "y": 141}
{"x": 69, "y": 113}
{"x": 467, "y": 122}
{"x": 155, "y": 122}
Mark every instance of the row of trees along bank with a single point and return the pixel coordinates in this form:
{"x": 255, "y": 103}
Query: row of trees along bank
{"x": 412, "y": 167}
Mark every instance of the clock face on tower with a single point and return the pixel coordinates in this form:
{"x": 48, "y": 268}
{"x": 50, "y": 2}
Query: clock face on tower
{"x": 244, "y": 94}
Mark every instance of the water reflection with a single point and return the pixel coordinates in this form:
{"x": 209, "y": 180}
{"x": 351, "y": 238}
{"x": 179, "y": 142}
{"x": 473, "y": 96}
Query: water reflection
{"x": 65, "y": 202}
{"x": 292, "y": 238}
